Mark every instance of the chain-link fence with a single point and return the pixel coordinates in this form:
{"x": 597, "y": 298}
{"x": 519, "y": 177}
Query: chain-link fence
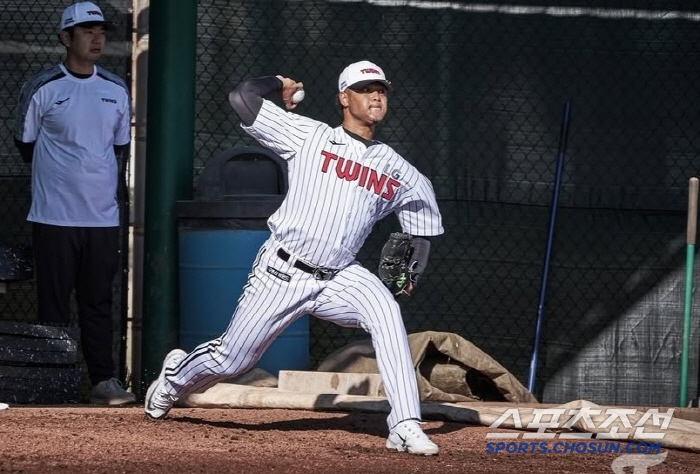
{"x": 478, "y": 107}
{"x": 29, "y": 44}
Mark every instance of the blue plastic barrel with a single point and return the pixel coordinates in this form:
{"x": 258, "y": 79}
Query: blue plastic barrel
{"x": 214, "y": 266}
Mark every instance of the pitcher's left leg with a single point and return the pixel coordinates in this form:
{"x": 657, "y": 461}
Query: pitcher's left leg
{"x": 355, "y": 297}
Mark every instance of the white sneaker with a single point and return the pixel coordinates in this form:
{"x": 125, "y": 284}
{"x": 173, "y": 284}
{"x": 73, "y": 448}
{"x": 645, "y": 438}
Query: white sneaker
{"x": 408, "y": 436}
{"x": 158, "y": 403}
{"x": 110, "y": 392}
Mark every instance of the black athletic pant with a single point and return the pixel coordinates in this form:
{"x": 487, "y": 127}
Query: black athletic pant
{"x": 84, "y": 259}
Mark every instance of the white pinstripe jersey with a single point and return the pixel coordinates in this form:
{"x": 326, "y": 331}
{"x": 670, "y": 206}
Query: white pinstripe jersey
{"x": 339, "y": 188}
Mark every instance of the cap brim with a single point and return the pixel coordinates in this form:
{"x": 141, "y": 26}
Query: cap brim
{"x": 87, "y": 24}
{"x": 361, "y": 84}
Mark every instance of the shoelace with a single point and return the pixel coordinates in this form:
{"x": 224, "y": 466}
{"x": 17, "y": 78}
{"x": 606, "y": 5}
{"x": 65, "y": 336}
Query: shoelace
{"x": 415, "y": 433}
{"x": 161, "y": 401}
{"x": 114, "y": 386}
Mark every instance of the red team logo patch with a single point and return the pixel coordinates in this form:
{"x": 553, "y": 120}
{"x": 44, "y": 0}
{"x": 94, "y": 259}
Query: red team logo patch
{"x": 366, "y": 177}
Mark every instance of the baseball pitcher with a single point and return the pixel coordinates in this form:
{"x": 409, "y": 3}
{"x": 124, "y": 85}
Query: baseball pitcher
{"x": 341, "y": 182}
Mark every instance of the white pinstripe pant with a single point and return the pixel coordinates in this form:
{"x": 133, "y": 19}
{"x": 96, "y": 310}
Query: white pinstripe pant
{"x": 353, "y": 298}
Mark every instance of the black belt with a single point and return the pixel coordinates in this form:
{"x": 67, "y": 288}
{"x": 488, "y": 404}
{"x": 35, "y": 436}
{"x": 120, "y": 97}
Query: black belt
{"x": 319, "y": 273}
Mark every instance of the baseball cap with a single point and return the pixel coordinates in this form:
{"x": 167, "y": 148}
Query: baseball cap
{"x": 360, "y": 74}
{"x": 82, "y": 13}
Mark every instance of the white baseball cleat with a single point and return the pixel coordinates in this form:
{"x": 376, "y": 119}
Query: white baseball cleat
{"x": 408, "y": 436}
{"x": 158, "y": 403}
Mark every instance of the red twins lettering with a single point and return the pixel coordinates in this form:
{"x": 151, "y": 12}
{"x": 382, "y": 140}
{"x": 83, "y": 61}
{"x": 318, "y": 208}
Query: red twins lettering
{"x": 381, "y": 184}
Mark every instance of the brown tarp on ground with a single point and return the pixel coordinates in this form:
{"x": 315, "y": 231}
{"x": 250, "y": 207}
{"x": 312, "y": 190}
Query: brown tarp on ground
{"x": 448, "y": 367}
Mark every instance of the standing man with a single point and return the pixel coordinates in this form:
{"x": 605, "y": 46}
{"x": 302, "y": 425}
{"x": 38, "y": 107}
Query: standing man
{"x": 73, "y": 125}
{"x": 341, "y": 182}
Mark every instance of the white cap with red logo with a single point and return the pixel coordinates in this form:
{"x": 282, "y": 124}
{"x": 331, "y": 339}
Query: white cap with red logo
{"x": 360, "y": 74}
{"x": 81, "y": 13}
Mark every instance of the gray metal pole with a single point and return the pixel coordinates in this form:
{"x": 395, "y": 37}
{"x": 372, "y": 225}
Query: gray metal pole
{"x": 139, "y": 74}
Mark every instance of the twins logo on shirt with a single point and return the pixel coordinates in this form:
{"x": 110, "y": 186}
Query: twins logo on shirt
{"x": 366, "y": 177}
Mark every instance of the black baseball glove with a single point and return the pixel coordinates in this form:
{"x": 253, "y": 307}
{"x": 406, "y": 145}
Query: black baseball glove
{"x": 395, "y": 263}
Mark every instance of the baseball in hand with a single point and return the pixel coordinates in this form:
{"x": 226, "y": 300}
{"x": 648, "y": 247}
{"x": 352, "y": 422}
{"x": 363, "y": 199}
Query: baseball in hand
{"x": 298, "y": 96}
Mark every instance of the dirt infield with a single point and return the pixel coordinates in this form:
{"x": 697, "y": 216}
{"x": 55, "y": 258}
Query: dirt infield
{"x": 82, "y": 439}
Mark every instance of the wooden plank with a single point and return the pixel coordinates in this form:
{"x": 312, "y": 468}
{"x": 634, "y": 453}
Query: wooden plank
{"x": 44, "y": 331}
{"x": 37, "y": 351}
{"x": 23, "y": 343}
{"x": 39, "y": 397}
{"x": 17, "y": 357}
{"x": 331, "y": 382}
{"x": 40, "y": 385}
{"x": 38, "y": 374}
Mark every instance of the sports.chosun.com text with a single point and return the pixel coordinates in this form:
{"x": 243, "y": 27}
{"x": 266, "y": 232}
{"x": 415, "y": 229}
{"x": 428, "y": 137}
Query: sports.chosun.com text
{"x": 573, "y": 447}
